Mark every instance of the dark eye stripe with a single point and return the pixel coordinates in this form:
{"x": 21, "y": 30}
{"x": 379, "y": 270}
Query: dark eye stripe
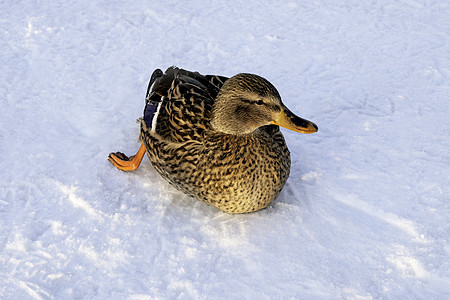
{"x": 259, "y": 102}
{"x": 246, "y": 101}
{"x": 274, "y": 107}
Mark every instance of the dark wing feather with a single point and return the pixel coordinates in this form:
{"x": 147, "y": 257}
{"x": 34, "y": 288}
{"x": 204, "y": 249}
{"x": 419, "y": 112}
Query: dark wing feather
{"x": 216, "y": 81}
{"x": 152, "y": 99}
{"x": 185, "y": 99}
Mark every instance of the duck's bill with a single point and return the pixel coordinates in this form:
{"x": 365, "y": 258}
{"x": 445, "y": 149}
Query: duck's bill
{"x": 290, "y": 121}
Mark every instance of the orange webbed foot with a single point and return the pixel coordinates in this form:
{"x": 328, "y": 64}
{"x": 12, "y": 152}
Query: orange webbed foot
{"x": 125, "y": 163}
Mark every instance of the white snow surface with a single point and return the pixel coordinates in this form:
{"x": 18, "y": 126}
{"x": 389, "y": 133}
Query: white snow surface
{"x": 364, "y": 215}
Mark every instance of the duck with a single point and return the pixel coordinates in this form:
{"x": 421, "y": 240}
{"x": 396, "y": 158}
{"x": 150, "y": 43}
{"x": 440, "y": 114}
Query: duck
{"x": 216, "y": 139}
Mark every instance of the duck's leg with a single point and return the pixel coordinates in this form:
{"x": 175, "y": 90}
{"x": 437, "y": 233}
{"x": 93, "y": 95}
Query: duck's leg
{"x": 125, "y": 163}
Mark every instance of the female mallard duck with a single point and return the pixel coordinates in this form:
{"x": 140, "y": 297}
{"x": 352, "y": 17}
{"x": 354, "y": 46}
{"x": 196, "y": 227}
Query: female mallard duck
{"x": 216, "y": 139}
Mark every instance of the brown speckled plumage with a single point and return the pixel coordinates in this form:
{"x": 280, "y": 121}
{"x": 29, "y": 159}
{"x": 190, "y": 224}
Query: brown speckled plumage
{"x": 212, "y": 137}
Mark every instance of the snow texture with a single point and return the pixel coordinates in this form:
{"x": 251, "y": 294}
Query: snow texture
{"x": 365, "y": 213}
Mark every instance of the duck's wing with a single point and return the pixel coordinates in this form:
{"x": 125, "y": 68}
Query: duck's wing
{"x": 216, "y": 80}
{"x": 179, "y": 104}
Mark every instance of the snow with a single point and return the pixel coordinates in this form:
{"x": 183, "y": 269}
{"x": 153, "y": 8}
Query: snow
{"x": 365, "y": 213}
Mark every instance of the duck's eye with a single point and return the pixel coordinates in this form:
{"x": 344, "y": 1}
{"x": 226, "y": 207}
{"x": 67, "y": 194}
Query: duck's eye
{"x": 260, "y": 102}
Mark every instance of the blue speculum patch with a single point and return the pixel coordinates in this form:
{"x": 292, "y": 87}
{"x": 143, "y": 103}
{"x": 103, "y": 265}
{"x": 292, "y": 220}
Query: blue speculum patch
{"x": 149, "y": 113}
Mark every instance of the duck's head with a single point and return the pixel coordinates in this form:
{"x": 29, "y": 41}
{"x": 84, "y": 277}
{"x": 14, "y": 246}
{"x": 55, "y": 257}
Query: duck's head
{"x": 246, "y": 102}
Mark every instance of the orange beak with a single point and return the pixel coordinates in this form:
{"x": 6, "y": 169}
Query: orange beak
{"x": 289, "y": 120}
